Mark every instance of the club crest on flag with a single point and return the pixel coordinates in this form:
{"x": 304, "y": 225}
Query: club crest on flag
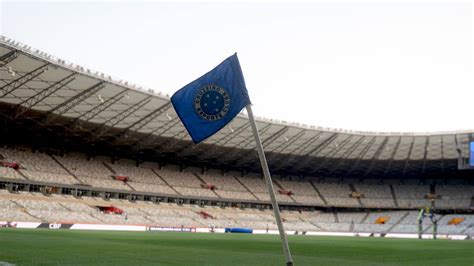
{"x": 212, "y": 102}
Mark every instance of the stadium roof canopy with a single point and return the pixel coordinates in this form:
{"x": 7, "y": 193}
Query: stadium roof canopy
{"x": 99, "y": 110}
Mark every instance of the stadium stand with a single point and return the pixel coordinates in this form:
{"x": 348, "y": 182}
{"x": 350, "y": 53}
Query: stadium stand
{"x": 337, "y": 194}
{"x": 41, "y": 167}
{"x": 123, "y": 147}
{"x": 64, "y": 208}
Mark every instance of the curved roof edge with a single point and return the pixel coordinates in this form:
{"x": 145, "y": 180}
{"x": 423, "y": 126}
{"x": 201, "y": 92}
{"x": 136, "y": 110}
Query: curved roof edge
{"x": 38, "y": 54}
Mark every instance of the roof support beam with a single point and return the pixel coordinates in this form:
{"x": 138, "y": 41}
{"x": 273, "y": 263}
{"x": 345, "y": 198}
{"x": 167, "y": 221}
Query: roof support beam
{"x": 247, "y": 155}
{"x": 315, "y": 150}
{"x": 92, "y": 113}
{"x": 17, "y": 83}
{"x": 332, "y": 153}
{"x": 72, "y": 102}
{"x": 392, "y": 156}
{"x": 427, "y": 144}
{"x": 307, "y": 143}
{"x": 442, "y": 154}
{"x": 289, "y": 142}
{"x": 408, "y": 156}
{"x": 243, "y": 145}
{"x": 107, "y": 125}
{"x": 8, "y": 57}
{"x": 151, "y": 137}
{"x": 221, "y": 142}
{"x": 295, "y": 152}
{"x": 43, "y": 94}
{"x": 170, "y": 144}
{"x": 376, "y": 155}
{"x": 275, "y": 136}
{"x": 139, "y": 124}
{"x": 361, "y": 155}
{"x": 226, "y": 139}
{"x": 459, "y": 151}
{"x": 344, "y": 157}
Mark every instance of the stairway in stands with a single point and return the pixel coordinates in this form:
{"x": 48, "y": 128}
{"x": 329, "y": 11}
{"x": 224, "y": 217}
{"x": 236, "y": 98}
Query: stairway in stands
{"x": 392, "y": 191}
{"x": 25, "y": 210}
{"x": 335, "y": 216}
{"x": 281, "y": 187}
{"x": 113, "y": 171}
{"x": 248, "y": 190}
{"x": 365, "y": 218}
{"x": 354, "y": 190}
{"x": 319, "y": 193}
{"x": 204, "y": 182}
{"x": 164, "y": 180}
{"x": 398, "y": 222}
{"x": 317, "y": 226}
{"x": 65, "y": 169}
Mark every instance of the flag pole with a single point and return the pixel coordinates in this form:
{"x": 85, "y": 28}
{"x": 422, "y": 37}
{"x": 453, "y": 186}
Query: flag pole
{"x": 271, "y": 191}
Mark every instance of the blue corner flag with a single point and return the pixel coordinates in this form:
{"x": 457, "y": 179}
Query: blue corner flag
{"x": 210, "y": 102}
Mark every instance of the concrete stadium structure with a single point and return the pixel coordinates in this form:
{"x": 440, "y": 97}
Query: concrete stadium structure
{"x": 71, "y": 131}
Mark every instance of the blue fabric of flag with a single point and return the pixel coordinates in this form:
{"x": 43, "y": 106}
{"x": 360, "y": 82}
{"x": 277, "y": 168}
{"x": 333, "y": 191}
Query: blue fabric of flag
{"x": 210, "y": 102}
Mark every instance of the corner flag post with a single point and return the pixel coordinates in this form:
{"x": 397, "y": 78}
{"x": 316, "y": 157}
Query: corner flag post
{"x": 268, "y": 181}
{"x": 209, "y": 103}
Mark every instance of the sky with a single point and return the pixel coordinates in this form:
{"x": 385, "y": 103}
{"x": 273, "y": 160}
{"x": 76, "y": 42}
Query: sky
{"x": 391, "y": 66}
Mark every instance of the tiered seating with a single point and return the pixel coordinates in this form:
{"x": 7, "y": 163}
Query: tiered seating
{"x": 410, "y": 224}
{"x": 180, "y": 179}
{"x": 80, "y": 166}
{"x": 186, "y": 183}
{"x": 6, "y": 172}
{"x": 169, "y": 217}
{"x": 375, "y": 195}
{"x": 99, "y": 173}
{"x": 337, "y": 194}
{"x": 351, "y": 217}
{"x": 257, "y": 186}
{"x": 259, "y": 189}
{"x": 454, "y": 196}
{"x": 33, "y": 207}
{"x": 371, "y": 225}
{"x": 14, "y": 212}
{"x": 91, "y": 172}
{"x": 104, "y": 183}
{"x": 153, "y": 188}
{"x": 37, "y": 167}
{"x": 409, "y": 196}
{"x": 372, "y": 228}
{"x": 394, "y": 217}
{"x": 227, "y": 187}
{"x": 141, "y": 179}
{"x": 40, "y": 205}
{"x": 297, "y": 221}
{"x": 49, "y": 177}
{"x": 303, "y": 192}
{"x": 252, "y": 219}
{"x": 445, "y": 228}
{"x": 38, "y": 162}
{"x": 324, "y": 217}
{"x": 336, "y": 227}
{"x": 136, "y": 174}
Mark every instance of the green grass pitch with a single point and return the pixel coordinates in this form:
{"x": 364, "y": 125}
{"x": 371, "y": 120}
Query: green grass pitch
{"x": 68, "y": 247}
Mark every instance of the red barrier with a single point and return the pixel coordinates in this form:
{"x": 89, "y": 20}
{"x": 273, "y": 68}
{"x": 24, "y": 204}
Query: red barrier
{"x": 121, "y": 178}
{"x": 205, "y": 215}
{"x": 285, "y": 192}
{"x": 110, "y": 209}
{"x": 208, "y": 186}
{"x": 13, "y": 165}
